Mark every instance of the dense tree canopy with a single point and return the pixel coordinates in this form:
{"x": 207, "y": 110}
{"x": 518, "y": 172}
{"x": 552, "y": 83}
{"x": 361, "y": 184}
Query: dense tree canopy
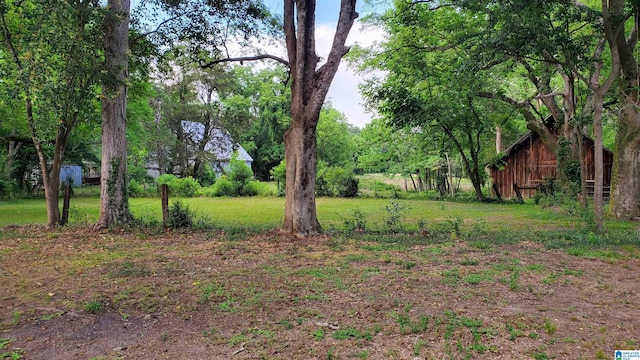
{"x": 53, "y": 73}
{"x": 457, "y": 81}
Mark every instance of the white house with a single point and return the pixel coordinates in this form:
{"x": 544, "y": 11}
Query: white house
{"x": 221, "y": 146}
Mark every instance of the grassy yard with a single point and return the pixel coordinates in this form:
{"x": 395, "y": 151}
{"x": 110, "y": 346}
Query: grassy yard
{"x": 391, "y": 279}
{"x": 332, "y": 212}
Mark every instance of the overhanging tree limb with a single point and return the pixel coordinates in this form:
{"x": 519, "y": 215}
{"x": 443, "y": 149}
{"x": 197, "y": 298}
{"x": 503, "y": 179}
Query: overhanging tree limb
{"x": 206, "y": 65}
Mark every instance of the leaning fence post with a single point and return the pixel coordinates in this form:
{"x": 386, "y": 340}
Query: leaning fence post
{"x": 516, "y": 188}
{"x": 65, "y": 205}
{"x": 164, "y": 193}
{"x": 497, "y": 192}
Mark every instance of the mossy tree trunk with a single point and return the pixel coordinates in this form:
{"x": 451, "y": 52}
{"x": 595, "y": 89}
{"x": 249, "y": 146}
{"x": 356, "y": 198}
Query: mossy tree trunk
{"x": 114, "y": 200}
{"x": 625, "y": 177}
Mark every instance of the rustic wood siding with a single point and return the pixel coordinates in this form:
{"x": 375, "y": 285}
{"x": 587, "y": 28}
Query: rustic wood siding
{"x": 528, "y": 162}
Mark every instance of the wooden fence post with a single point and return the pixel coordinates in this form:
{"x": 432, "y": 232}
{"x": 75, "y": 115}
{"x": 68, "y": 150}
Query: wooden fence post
{"x": 497, "y": 191}
{"x": 65, "y": 205}
{"x": 164, "y": 196}
{"x": 518, "y": 193}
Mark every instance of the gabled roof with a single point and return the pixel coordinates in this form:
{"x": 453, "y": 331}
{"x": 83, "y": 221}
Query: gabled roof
{"x": 530, "y": 134}
{"x": 221, "y": 144}
{"x": 513, "y": 146}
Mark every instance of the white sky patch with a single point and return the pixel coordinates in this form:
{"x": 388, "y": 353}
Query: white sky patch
{"x": 344, "y": 93}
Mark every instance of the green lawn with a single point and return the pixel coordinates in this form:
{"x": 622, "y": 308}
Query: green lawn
{"x": 268, "y": 211}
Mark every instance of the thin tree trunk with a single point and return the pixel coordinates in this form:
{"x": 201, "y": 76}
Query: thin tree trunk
{"x": 160, "y": 153}
{"x": 451, "y": 189}
{"x": 599, "y": 91}
{"x": 598, "y": 160}
{"x": 583, "y": 170}
{"x": 114, "y": 199}
{"x": 415, "y": 188}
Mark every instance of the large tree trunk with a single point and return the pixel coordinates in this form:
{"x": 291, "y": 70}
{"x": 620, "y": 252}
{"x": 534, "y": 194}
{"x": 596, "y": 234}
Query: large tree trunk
{"x": 625, "y": 179}
{"x": 300, "y": 157}
{"x": 309, "y": 87}
{"x": 114, "y": 200}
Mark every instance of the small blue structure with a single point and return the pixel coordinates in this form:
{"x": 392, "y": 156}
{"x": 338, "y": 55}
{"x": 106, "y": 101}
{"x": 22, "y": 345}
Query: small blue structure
{"x": 71, "y": 174}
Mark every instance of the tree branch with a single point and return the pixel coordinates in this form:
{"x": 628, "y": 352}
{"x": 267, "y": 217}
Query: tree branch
{"x": 242, "y": 59}
{"x": 160, "y": 25}
{"x": 347, "y": 17}
{"x": 290, "y": 30}
{"x": 435, "y": 7}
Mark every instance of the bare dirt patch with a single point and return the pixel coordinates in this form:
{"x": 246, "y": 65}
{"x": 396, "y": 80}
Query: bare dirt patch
{"x": 78, "y": 294}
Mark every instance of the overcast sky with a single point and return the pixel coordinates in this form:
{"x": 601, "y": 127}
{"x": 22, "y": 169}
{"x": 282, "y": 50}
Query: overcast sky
{"x": 344, "y": 93}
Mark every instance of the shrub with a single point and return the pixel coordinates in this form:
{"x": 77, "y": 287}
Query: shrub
{"x": 279, "y": 174}
{"x": 251, "y": 188}
{"x": 224, "y": 187}
{"x": 169, "y": 179}
{"x": 206, "y": 176}
{"x": 240, "y": 174}
{"x": 186, "y": 187}
{"x": 336, "y": 181}
{"x": 209, "y": 191}
{"x": 179, "y": 216}
{"x": 261, "y": 189}
{"x": 357, "y": 221}
{"x": 350, "y": 187}
{"x": 136, "y": 189}
{"x": 396, "y": 212}
{"x": 237, "y": 181}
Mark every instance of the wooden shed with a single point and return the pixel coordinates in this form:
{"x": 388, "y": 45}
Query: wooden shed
{"x": 527, "y": 164}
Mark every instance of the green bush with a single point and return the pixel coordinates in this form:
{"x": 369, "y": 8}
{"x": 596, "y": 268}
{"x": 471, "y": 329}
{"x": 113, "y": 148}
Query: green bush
{"x": 261, "y": 189}
{"x": 224, "y": 187}
{"x": 136, "y": 189}
{"x": 185, "y": 187}
{"x": 356, "y": 222}
{"x": 334, "y": 181}
{"x": 179, "y": 216}
{"x": 240, "y": 174}
{"x": 251, "y": 188}
{"x": 169, "y": 179}
{"x": 209, "y": 191}
{"x": 206, "y": 176}
{"x": 237, "y": 181}
{"x": 279, "y": 174}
